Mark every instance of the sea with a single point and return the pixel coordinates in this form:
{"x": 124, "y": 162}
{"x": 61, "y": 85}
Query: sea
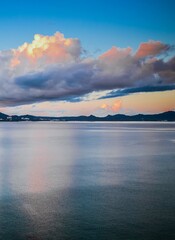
{"x": 87, "y": 181}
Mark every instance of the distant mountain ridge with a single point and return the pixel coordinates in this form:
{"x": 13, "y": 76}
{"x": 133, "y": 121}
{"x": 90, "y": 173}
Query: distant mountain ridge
{"x": 166, "y": 116}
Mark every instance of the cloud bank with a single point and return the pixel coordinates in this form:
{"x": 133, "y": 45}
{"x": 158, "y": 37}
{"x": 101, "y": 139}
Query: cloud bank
{"x": 54, "y": 68}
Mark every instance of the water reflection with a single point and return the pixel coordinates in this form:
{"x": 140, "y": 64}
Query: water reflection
{"x": 6, "y": 165}
{"x": 13, "y": 222}
{"x": 87, "y": 181}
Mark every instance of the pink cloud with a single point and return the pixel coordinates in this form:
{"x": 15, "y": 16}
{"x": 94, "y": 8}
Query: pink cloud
{"x": 47, "y": 50}
{"x": 114, "y": 107}
{"x": 151, "y": 48}
{"x": 116, "y": 53}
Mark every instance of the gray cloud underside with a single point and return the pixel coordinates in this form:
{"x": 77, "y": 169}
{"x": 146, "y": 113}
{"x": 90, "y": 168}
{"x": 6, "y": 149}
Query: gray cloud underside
{"x": 128, "y": 91}
{"x": 72, "y": 81}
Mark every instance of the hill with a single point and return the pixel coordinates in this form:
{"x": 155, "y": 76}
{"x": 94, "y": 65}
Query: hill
{"x": 166, "y": 116}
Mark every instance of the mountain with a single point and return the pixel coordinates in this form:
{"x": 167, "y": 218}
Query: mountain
{"x": 3, "y": 116}
{"x": 166, "y": 116}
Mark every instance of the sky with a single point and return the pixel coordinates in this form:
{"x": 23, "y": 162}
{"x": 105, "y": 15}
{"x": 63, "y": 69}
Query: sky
{"x": 64, "y": 58}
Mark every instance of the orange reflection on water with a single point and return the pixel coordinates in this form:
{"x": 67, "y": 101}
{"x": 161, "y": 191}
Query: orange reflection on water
{"x": 38, "y": 164}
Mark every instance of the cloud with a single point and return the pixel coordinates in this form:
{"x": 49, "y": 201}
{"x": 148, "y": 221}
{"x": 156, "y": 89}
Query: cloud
{"x": 44, "y": 51}
{"x": 54, "y": 48}
{"x": 128, "y": 91}
{"x": 151, "y": 48}
{"x": 54, "y": 68}
{"x": 114, "y": 107}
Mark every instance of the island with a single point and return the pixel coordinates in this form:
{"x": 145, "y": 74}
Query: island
{"x": 165, "y": 116}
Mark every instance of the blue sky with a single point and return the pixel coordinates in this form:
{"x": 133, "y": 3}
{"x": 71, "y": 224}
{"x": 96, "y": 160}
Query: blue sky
{"x": 98, "y": 24}
{"x": 128, "y": 65}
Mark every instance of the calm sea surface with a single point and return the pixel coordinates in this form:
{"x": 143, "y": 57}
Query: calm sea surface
{"x": 87, "y": 181}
